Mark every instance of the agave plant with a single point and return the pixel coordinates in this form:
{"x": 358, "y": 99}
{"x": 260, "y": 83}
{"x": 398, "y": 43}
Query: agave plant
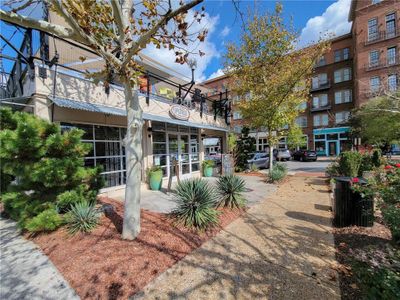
{"x": 230, "y": 189}
{"x": 195, "y": 204}
{"x": 83, "y": 217}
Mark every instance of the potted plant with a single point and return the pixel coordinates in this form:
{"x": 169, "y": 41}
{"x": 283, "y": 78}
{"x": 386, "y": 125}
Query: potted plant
{"x": 208, "y": 165}
{"x": 155, "y": 178}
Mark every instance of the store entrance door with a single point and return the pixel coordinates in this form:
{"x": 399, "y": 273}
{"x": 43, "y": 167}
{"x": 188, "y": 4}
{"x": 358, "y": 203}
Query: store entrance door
{"x": 178, "y": 148}
{"x": 332, "y": 148}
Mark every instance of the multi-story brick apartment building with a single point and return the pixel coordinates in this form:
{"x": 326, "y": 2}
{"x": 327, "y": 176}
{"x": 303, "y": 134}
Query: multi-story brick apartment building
{"x": 359, "y": 65}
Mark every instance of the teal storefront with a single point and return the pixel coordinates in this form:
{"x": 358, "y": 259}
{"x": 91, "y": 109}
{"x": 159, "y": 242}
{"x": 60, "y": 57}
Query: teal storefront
{"x": 331, "y": 141}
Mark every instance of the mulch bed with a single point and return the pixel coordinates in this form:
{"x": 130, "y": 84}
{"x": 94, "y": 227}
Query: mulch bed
{"x": 355, "y": 238}
{"x": 101, "y": 265}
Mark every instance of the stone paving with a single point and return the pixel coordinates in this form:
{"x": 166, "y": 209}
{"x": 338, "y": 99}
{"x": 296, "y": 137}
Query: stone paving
{"x": 25, "y": 272}
{"x": 281, "y": 249}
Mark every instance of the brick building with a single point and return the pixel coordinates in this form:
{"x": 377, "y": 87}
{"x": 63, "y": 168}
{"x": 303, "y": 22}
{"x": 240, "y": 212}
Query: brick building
{"x": 359, "y": 65}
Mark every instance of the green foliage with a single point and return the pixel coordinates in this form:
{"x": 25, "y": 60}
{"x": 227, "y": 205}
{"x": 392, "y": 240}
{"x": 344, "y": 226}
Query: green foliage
{"x": 47, "y": 220}
{"x": 253, "y": 168}
{"x": 391, "y": 216}
{"x": 349, "y": 163}
{"x": 366, "y": 164}
{"x": 378, "y": 283}
{"x": 208, "y": 163}
{"x": 295, "y": 137}
{"x": 377, "y": 158}
{"x": 281, "y": 167}
{"x": 195, "y": 204}
{"x": 232, "y": 140}
{"x": 82, "y": 217}
{"x": 277, "y": 174}
{"x": 49, "y": 166}
{"x": 245, "y": 146}
{"x": 230, "y": 189}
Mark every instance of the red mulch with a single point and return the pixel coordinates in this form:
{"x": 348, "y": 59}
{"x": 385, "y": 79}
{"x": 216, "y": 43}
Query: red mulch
{"x": 101, "y": 265}
{"x": 252, "y": 173}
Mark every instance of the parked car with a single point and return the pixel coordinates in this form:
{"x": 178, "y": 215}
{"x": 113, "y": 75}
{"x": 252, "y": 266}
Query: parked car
{"x": 260, "y": 160}
{"x": 282, "y": 155}
{"x": 305, "y": 155}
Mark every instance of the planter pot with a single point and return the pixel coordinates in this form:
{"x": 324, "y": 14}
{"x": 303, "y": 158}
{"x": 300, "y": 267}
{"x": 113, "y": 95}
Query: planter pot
{"x": 155, "y": 179}
{"x": 208, "y": 171}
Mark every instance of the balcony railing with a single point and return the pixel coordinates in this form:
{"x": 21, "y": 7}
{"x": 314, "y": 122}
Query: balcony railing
{"x": 382, "y": 35}
{"x": 320, "y": 108}
{"x": 321, "y": 86}
{"x": 389, "y": 62}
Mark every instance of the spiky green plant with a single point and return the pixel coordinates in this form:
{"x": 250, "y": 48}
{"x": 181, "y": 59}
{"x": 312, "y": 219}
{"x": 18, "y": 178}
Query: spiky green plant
{"x": 83, "y": 217}
{"x": 230, "y": 189}
{"x": 195, "y": 200}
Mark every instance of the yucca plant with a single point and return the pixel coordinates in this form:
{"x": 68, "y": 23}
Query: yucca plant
{"x": 83, "y": 217}
{"x": 230, "y": 189}
{"x": 195, "y": 200}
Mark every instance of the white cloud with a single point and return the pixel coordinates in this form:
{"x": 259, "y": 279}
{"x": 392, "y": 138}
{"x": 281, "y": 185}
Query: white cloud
{"x": 332, "y": 21}
{"x": 167, "y": 57}
{"x": 217, "y": 73}
{"x": 225, "y": 31}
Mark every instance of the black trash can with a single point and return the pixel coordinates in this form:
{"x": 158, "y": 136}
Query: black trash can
{"x": 349, "y": 207}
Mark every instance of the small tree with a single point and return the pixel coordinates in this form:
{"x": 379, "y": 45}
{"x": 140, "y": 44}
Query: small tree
{"x": 118, "y": 31}
{"x": 245, "y": 146}
{"x": 266, "y": 65}
{"x": 378, "y": 121}
{"x": 47, "y": 169}
{"x": 295, "y": 137}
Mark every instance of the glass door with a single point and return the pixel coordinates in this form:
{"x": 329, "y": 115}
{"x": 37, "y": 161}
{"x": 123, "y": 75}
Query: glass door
{"x": 184, "y": 149}
{"x": 173, "y": 151}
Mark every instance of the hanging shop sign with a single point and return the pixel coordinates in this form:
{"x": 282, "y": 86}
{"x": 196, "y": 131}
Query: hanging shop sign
{"x": 179, "y": 112}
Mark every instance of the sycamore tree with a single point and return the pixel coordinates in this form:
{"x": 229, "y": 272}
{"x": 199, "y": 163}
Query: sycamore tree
{"x": 378, "y": 120}
{"x": 118, "y": 30}
{"x": 266, "y": 64}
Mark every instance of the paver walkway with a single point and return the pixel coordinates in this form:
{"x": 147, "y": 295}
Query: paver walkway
{"x": 281, "y": 249}
{"x": 25, "y": 272}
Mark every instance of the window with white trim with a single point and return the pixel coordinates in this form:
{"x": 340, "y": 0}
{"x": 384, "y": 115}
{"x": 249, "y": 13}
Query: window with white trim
{"x": 343, "y": 96}
{"x": 391, "y": 55}
{"x": 373, "y": 29}
{"x": 342, "y": 116}
{"x": 374, "y": 58}
{"x": 374, "y": 84}
{"x": 262, "y": 144}
{"x": 342, "y": 75}
{"x": 303, "y": 106}
{"x": 392, "y": 82}
{"x": 237, "y": 115}
{"x": 320, "y": 100}
{"x": 301, "y": 121}
{"x": 342, "y": 54}
{"x": 319, "y": 80}
{"x": 321, "y": 120}
{"x": 237, "y": 128}
{"x": 390, "y": 25}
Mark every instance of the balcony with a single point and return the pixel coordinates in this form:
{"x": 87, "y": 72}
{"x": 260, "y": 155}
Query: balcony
{"x": 321, "y": 86}
{"x": 382, "y": 36}
{"x": 389, "y": 62}
{"x": 320, "y": 108}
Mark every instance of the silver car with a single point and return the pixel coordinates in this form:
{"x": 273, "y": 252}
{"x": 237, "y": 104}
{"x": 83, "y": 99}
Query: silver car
{"x": 260, "y": 160}
{"x": 283, "y": 155}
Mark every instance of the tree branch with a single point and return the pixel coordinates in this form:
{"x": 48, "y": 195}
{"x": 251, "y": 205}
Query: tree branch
{"x": 144, "y": 39}
{"x": 23, "y": 21}
{"x": 117, "y": 13}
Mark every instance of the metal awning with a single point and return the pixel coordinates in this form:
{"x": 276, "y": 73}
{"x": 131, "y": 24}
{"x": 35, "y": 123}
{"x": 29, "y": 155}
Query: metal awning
{"x": 99, "y": 108}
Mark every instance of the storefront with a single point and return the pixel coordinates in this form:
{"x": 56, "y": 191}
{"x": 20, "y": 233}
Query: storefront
{"x": 331, "y": 141}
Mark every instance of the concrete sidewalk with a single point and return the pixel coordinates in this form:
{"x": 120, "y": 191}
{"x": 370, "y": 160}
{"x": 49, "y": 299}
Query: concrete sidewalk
{"x": 281, "y": 249}
{"x": 26, "y": 273}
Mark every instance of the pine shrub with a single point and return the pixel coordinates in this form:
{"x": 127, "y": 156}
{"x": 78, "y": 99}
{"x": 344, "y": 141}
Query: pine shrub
{"x": 43, "y": 163}
{"x": 230, "y": 189}
{"x": 47, "y": 220}
{"x": 195, "y": 204}
{"x": 349, "y": 163}
{"x": 83, "y": 217}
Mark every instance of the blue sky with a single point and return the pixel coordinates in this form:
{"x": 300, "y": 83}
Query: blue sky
{"x": 310, "y": 17}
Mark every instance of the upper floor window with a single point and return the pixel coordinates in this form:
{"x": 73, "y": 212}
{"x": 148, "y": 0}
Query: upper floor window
{"x": 374, "y": 58}
{"x": 342, "y": 116}
{"x": 342, "y": 75}
{"x": 319, "y": 80}
{"x": 375, "y": 1}
{"x": 374, "y": 83}
{"x": 236, "y": 99}
{"x": 321, "y": 61}
{"x": 321, "y": 120}
{"x": 237, "y": 115}
{"x": 391, "y": 55}
{"x": 392, "y": 82}
{"x": 342, "y": 54}
{"x": 390, "y": 25}
{"x": 303, "y": 106}
{"x": 237, "y": 128}
{"x": 301, "y": 121}
{"x": 343, "y": 96}
{"x": 372, "y": 29}
{"x": 320, "y": 101}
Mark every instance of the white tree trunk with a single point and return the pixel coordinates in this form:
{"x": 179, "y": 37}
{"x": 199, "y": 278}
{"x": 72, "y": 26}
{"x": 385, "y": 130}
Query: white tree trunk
{"x": 271, "y": 157}
{"x": 133, "y": 151}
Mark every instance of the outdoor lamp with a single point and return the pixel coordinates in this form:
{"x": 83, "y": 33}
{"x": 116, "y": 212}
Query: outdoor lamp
{"x": 192, "y": 63}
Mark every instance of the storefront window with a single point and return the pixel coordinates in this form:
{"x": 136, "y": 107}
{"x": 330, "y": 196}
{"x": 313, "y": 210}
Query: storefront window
{"x": 332, "y": 136}
{"x": 320, "y": 147}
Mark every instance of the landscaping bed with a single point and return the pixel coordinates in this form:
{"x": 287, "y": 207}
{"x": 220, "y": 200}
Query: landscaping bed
{"x": 100, "y": 265}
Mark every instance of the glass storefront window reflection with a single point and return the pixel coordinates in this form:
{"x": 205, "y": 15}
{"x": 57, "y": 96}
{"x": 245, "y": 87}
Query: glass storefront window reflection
{"x": 320, "y": 147}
